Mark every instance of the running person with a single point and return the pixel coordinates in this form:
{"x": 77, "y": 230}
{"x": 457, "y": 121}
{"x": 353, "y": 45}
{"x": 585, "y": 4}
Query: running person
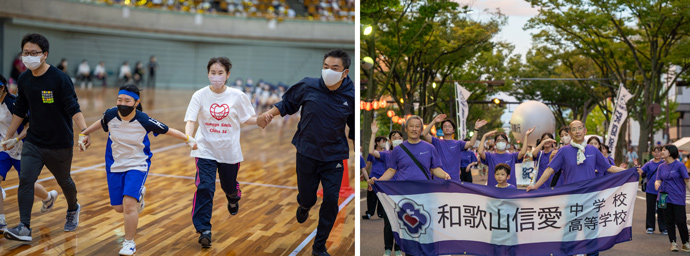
{"x": 328, "y": 104}
{"x": 11, "y": 157}
{"x": 449, "y": 149}
{"x": 128, "y": 156}
{"x": 219, "y": 110}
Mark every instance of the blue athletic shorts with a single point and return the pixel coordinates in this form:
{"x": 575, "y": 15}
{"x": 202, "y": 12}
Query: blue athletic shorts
{"x": 129, "y": 183}
{"x": 6, "y": 163}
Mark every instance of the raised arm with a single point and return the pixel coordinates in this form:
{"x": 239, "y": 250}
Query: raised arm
{"x": 425, "y": 134}
{"x": 541, "y": 146}
{"x": 523, "y": 151}
{"x": 480, "y": 151}
{"x": 372, "y": 143}
{"x": 478, "y": 124}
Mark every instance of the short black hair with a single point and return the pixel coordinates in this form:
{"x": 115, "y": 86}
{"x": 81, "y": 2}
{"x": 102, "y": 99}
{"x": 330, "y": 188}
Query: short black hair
{"x": 564, "y": 128}
{"x": 548, "y": 134}
{"x": 659, "y": 148}
{"x": 451, "y": 123}
{"x": 501, "y": 134}
{"x": 380, "y": 138}
{"x": 502, "y": 166}
{"x": 133, "y": 88}
{"x": 342, "y": 55}
{"x": 390, "y": 135}
{"x": 597, "y": 139}
{"x": 37, "y": 39}
{"x": 672, "y": 150}
{"x": 608, "y": 150}
{"x": 220, "y": 60}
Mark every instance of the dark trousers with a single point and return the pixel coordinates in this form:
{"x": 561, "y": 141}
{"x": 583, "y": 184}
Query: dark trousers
{"x": 465, "y": 175}
{"x": 388, "y": 238}
{"x": 59, "y": 163}
{"x": 675, "y": 217}
{"x": 373, "y": 204}
{"x": 206, "y": 187}
{"x": 330, "y": 174}
{"x": 652, "y": 211}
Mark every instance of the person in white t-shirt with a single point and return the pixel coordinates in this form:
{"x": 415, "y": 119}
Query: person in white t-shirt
{"x": 128, "y": 156}
{"x": 219, "y": 110}
{"x": 84, "y": 74}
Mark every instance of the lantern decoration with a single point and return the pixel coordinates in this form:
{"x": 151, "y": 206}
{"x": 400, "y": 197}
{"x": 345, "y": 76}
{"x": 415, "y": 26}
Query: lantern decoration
{"x": 361, "y": 104}
{"x": 390, "y": 113}
{"x": 400, "y": 121}
{"x": 383, "y": 103}
{"x": 395, "y": 119}
{"x": 375, "y": 104}
{"x": 367, "y": 106}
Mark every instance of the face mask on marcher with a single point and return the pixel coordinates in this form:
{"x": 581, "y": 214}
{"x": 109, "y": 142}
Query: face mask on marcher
{"x": 397, "y": 142}
{"x": 501, "y": 145}
{"x": 566, "y": 140}
{"x": 331, "y": 77}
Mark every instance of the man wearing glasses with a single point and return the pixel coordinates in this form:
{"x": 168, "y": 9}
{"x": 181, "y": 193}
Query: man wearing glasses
{"x": 49, "y": 94}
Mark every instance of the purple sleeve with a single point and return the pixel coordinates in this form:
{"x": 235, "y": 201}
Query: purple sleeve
{"x": 515, "y": 157}
{"x": 462, "y": 144}
{"x": 683, "y": 171}
{"x": 362, "y": 164}
{"x": 370, "y": 158}
{"x": 602, "y": 163}
{"x": 557, "y": 160}
{"x": 435, "y": 159}
{"x": 473, "y": 158}
{"x": 488, "y": 158}
{"x": 392, "y": 162}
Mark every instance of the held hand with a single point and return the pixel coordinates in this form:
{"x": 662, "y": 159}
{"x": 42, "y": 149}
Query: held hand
{"x": 371, "y": 181}
{"x": 369, "y": 188}
{"x": 639, "y": 171}
{"x": 191, "y": 143}
{"x": 530, "y": 131}
{"x": 479, "y": 124}
{"x": 657, "y": 184}
{"x": 624, "y": 165}
{"x": 440, "y": 118}
{"x": 374, "y": 127}
{"x": 9, "y": 144}
{"x": 83, "y": 142}
{"x": 447, "y": 177}
{"x": 530, "y": 187}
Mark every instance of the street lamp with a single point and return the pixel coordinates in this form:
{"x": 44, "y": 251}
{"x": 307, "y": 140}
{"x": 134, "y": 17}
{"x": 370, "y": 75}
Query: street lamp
{"x": 367, "y": 30}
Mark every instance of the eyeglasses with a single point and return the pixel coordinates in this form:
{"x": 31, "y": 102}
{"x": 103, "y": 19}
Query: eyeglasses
{"x": 34, "y": 54}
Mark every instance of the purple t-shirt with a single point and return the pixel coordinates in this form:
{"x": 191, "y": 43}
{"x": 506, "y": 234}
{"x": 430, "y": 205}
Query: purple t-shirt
{"x": 566, "y": 159}
{"x": 543, "y": 158}
{"x": 672, "y": 178}
{"x": 509, "y": 186}
{"x": 449, "y": 151}
{"x": 406, "y": 169}
{"x": 650, "y": 169}
{"x": 466, "y": 158}
{"x": 611, "y": 160}
{"x": 378, "y": 165}
{"x": 492, "y": 159}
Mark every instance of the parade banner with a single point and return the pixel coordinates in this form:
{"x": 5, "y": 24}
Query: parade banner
{"x": 450, "y": 217}
{"x": 619, "y": 114}
{"x": 461, "y": 96}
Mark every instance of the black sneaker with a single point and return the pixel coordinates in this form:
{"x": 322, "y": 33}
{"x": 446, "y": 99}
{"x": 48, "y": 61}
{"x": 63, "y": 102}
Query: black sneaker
{"x": 366, "y": 216}
{"x": 205, "y": 238}
{"x": 19, "y": 233}
{"x": 302, "y": 214}
{"x": 233, "y": 208}
{"x": 324, "y": 253}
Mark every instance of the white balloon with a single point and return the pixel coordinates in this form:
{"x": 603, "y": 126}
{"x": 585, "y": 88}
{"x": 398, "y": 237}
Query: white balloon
{"x": 532, "y": 114}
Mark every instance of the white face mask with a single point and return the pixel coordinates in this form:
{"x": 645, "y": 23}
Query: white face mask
{"x": 217, "y": 81}
{"x": 397, "y": 142}
{"x": 32, "y": 62}
{"x": 331, "y": 77}
{"x": 565, "y": 140}
{"x": 501, "y": 145}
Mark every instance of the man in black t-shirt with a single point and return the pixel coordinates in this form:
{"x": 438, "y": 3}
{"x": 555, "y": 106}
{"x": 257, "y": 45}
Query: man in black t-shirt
{"x": 49, "y": 94}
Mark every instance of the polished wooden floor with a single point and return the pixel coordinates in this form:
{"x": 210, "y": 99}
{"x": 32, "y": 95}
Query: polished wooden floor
{"x": 265, "y": 224}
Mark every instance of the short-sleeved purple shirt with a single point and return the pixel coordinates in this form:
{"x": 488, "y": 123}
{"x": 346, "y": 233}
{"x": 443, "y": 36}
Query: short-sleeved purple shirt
{"x": 672, "y": 178}
{"x": 492, "y": 159}
{"x": 378, "y": 165}
{"x": 566, "y": 159}
{"x": 406, "y": 169}
{"x": 449, "y": 151}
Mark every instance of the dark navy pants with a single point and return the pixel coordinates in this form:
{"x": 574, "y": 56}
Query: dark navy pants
{"x": 330, "y": 174}
{"x": 202, "y": 206}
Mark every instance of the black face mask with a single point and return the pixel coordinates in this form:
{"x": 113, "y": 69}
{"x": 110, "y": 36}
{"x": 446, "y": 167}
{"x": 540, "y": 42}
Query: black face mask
{"x": 125, "y": 110}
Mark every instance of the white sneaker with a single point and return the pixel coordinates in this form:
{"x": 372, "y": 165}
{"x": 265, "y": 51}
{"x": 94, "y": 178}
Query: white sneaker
{"x": 398, "y": 253}
{"x": 674, "y": 246}
{"x": 128, "y": 248}
{"x": 387, "y": 252}
{"x": 141, "y": 201}
{"x": 48, "y": 205}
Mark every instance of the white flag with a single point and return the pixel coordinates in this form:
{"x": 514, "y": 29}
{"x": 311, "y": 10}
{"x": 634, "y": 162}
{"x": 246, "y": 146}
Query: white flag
{"x": 620, "y": 112}
{"x": 461, "y": 96}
